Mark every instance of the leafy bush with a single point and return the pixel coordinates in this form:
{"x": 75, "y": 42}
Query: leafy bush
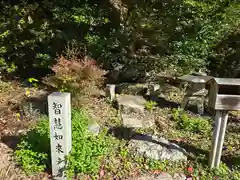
{"x": 148, "y": 35}
{"x": 191, "y": 123}
{"x": 33, "y": 153}
{"x": 34, "y": 149}
{"x": 33, "y": 32}
{"x": 76, "y": 75}
{"x": 203, "y": 26}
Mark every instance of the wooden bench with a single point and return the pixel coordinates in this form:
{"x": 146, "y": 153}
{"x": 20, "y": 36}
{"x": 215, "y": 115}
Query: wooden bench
{"x": 224, "y": 96}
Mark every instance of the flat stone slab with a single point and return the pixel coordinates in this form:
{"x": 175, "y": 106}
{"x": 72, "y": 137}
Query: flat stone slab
{"x": 131, "y": 102}
{"x": 156, "y": 148}
{"x": 131, "y": 121}
{"x": 133, "y": 113}
{"x": 195, "y": 79}
{"x": 135, "y": 120}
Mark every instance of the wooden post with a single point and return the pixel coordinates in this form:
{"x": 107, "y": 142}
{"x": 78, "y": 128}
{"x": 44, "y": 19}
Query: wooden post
{"x": 216, "y": 130}
{"x": 59, "y": 109}
{"x": 218, "y": 138}
{"x": 223, "y": 97}
{"x": 221, "y": 137}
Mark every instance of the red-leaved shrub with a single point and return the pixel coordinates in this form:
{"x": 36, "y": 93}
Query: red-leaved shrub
{"x": 76, "y": 75}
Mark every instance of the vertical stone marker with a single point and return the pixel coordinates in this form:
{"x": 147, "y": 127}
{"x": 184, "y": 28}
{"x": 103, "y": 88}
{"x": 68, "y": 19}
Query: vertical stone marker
{"x": 59, "y": 109}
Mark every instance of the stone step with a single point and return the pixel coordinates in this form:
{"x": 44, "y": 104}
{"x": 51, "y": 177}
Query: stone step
{"x": 131, "y": 121}
{"x": 131, "y": 102}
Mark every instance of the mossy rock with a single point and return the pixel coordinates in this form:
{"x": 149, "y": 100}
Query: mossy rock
{"x": 132, "y": 89}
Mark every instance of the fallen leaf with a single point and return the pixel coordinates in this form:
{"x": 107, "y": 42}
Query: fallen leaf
{"x": 102, "y": 173}
{"x": 190, "y": 169}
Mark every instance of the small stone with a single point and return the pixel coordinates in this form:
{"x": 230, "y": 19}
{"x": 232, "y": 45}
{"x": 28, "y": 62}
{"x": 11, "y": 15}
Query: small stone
{"x": 102, "y": 173}
{"x": 111, "y": 91}
{"x": 20, "y": 131}
{"x": 132, "y": 111}
{"x": 154, "y": 87}
{"x": 94, "y": 128}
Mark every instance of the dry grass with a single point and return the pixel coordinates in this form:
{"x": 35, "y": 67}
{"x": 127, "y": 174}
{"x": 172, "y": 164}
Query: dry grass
{"x": 236, "y": 114}
{"x": 100, "y": 110}
{"x": 8, "y": 169}
{"x": 11, "y": 126}
{"x": 4, "y": 86}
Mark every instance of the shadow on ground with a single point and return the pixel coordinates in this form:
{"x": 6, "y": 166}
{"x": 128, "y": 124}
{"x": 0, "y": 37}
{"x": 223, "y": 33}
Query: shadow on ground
{"x": 162, "y": 102}
{"x": 11, "y": 141}
{"x": 193, "y": 152}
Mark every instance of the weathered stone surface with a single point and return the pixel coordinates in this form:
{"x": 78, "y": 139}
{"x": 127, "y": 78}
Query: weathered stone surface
{"x": 130, "y": 103}
{"x": 132, "y": 111}
{"x": 156, "y": 148}
{"x": 162, "y": 176}
{"x": 59, "y": 109}
{"x": 138, "y": 120}
{"x": 138, "y": 89}
{"x": 131, "y": 121}
{"x": 153, "y": 88}
{"x": 111, "y": 91}
{"x": 132, "y": 88}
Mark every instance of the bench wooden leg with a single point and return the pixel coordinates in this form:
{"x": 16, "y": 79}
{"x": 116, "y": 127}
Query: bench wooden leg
{"x": 200, "y": 106}
{"x": 215, "y": 137}
{"x": 221, "y": 138}
{"x": 221, "y": 118}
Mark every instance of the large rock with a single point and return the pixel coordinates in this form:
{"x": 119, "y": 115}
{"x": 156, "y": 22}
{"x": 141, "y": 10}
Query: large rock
{"x": 156, "y": 148}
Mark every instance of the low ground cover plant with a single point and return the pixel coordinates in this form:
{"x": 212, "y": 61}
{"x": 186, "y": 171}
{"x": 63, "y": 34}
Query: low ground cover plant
{"x": 194, "y": 124}
{"x": 88, "y": 150}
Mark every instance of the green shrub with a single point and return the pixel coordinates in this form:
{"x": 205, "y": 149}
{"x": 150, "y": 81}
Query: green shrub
{"x": 144, "y": 34}
{"x": 150, "y": 105}
{"x": 34, "y": 148}
{"x": 87, "y": 150}
{"x": 191, "y": 123}
{"x": 33, "y": 153}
